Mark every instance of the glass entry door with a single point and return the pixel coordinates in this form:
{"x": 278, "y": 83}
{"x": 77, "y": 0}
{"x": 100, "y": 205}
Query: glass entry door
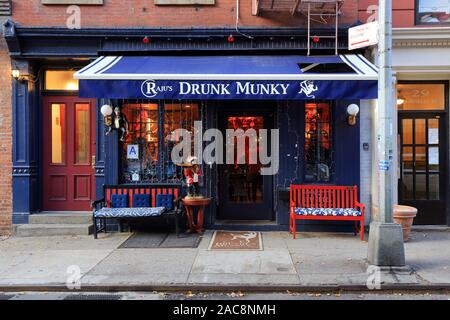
{"x": 245, "y": 194}
{"x": 422, "y": 182}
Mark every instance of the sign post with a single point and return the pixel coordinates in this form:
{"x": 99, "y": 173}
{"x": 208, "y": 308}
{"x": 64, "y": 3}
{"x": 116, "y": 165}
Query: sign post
{"x": 385, "y": 237}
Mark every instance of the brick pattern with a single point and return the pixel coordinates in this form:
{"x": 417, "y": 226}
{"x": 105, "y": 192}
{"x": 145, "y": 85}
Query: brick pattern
{"x": 5, "y": 140}
{"x": 402, "y": 15}
{"x": 144, "y": 13}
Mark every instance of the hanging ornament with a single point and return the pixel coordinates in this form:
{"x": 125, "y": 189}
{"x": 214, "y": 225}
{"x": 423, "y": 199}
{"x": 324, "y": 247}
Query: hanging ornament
{"x": 230, "y": 38}
{"x": 146, "y": 40}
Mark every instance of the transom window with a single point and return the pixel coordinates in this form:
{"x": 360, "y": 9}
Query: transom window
{"x": 432, "y": 12}
{"x": 318, "y": 155}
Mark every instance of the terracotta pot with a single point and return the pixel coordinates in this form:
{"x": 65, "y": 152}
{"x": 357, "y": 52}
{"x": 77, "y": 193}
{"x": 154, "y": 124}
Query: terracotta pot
{"x": 404, "y": 215}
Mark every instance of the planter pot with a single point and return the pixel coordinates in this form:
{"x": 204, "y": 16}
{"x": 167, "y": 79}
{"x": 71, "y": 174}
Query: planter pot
{"x": 404, "y": 215}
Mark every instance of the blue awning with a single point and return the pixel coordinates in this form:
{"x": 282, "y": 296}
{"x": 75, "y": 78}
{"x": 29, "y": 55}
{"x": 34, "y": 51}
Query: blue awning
{"x": 229, "y": 77}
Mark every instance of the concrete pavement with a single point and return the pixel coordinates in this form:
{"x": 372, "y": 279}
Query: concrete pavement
{"x": 313, "y": 261}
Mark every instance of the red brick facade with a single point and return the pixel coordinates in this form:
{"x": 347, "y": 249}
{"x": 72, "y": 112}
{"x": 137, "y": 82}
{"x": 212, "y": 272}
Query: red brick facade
{"x": 5, "y": 140}
{"x": 143, "y": 13}
{"x": 402, "y": 15}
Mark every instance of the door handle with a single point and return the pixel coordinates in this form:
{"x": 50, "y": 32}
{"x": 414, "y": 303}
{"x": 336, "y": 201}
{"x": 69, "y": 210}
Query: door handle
{"x": 93, "y": 162}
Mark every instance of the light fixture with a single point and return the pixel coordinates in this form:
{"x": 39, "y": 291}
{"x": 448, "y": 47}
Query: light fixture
{"x": 352, "y": 112}
{"x": 400, "y": 101}
{"x": 72, "y": 86}
{"x": 15, "y": 73}
{"x": 106, "y": 110}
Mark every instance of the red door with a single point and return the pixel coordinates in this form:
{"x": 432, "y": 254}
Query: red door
{"x": 69, "y": 149}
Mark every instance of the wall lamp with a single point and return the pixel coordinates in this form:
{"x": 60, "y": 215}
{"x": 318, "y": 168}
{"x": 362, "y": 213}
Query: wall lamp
{"x": 352, "y": 112}
{"x": 16, "y": 74}
{"x": 106, "y": 110}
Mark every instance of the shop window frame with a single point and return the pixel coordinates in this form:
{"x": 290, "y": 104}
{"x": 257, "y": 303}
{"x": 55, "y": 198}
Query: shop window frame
{"x": 161, "y": 164}
{"x": 417, "y": 21}
{"x": 331, "y": 105}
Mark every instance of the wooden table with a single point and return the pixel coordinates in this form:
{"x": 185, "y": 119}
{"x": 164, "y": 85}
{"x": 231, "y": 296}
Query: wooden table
{"x": 199, "y": 203}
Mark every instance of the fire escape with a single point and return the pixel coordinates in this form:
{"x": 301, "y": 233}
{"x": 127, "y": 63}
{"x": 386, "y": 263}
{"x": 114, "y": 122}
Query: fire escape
{"x": 318, "y": 11}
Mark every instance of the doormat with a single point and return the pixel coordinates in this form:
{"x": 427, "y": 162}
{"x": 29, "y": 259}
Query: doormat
{"x": 236, "y": 240}
{"x": 144, "y": 240}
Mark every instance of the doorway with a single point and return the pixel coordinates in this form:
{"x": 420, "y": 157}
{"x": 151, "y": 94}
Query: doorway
{"x": 423, "y": 165}
{"x": 68, "y": 153}
{"x": 244, "y": 193}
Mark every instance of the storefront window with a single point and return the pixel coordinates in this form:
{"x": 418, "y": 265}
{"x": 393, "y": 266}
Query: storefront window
{"x": 142, "y": 160}
{"x": 432, "y": 12}
{"x": 318, "y": 142}
{"x": 421, "y": 96}
{"x": 140, "y": 149}
{"x": 177, "y": 116}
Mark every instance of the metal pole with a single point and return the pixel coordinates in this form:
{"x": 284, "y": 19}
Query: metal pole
{"x": 385, "y": 110}
{"x": 385, "y": 246}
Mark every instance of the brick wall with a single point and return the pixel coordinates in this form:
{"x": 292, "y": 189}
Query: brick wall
{"x": 143, "y": 13}
{"x": 402, "y": 15}
{"x": 5, "y": 140}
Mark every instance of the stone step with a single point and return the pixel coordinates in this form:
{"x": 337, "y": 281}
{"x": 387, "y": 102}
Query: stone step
{"x": 42, "y": 230}
{"x": 61, "y": 218}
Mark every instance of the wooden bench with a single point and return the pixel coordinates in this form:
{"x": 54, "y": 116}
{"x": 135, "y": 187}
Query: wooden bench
{"x": 137, "y": 201}
{"x": 325, "y": 203}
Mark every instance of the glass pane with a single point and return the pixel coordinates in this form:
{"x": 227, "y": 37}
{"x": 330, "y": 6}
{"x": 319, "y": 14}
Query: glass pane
{"x": 82, "y": 134}
{"x": 407, "y": 131}
{"x": 420, "y": 131}
{"x": 407, "y": 159}
{"x": 140, "y": 149}
{"x": 422, "y": 96}
{"x": 433, "y": 158}
{"x": 407, "y": 187}
{"x": 434, "y": 186}
{"x": 421, "y": 160}
{"x": 177, "y": 116}
{"x": 433, "y": 131}
{"x": 58, "y": 114}
{"x": 245, "y": 182}
{"x": 318, "y": 142}
{"x": 61, "y": 80}
{"x": 433, "y": 12}
{"x": 421, "y": 187}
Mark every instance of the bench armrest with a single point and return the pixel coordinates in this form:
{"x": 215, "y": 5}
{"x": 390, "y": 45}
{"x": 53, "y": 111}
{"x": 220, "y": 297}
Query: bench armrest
{"x": 360, "y": 206}
{"x": 95, "y": 204}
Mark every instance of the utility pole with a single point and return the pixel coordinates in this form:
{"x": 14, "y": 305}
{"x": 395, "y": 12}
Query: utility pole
{"x": 385, "y": 237}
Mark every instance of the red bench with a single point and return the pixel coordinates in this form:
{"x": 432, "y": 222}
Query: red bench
{"x": 325, "y": 203}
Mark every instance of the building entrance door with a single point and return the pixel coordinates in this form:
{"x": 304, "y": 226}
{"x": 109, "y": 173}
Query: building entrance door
{"x": 68, "y": 153}
{"x": 423, "y": 148}
{"x": 245, "y": 194}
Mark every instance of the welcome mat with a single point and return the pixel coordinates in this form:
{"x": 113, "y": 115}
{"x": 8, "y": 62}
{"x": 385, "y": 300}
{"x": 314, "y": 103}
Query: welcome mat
{"x": 236, "y": 240}
{"x": 143, "y": 240}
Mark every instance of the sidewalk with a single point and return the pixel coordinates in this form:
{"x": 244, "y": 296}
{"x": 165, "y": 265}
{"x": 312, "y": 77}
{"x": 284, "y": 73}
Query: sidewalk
{"x": 313, "y": 261}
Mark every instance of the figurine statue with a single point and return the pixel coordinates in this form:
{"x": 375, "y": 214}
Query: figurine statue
{"x": 119, "y": 122}
{"x": 192, "y": 172}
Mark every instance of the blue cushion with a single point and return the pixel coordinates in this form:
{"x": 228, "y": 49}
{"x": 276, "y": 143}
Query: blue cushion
{"x": 128, "y": 212}
{"x": 164, "y": 200}
{"x": 337, "y": 212}
{"x": 119, "y": 201}
{"x": 141, "y": 200}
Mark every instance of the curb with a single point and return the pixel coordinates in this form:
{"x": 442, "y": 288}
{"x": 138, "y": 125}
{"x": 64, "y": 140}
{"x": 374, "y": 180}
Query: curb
{"x": 226, "y": 288}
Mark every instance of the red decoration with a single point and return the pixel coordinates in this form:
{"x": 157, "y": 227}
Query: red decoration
{"x": 316, "y": 39}
{"x": 146, "y": 40}
{"x": 230, "y": 38}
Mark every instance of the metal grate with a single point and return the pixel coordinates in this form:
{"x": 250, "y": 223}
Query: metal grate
{"x": 5, "y": 7}
{"x": 93, "y": 297}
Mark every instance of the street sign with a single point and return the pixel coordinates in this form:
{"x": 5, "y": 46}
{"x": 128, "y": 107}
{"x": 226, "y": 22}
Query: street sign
{"x": 363, "y": 36}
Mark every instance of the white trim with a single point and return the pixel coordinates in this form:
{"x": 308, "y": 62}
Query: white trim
{"x": 92, "y": 70}
{"x": 311, "y": 66}
{"x": 262, "y": 77}
{"x": 360, "y": 63}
